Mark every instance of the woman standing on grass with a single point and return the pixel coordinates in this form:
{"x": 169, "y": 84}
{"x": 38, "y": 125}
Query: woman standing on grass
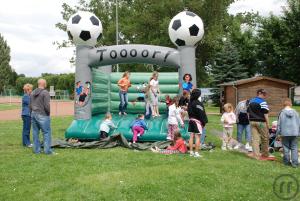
{"x": 26, "y": 116}
{"x": 154, "y": 92}
{"x": 124, "y": 84}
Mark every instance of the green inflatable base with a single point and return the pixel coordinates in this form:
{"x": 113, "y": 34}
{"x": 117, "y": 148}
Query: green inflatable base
{"x": 89, "y": 129}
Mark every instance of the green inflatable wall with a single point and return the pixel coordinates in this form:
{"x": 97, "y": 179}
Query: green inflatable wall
{"x": 105, "y": 97}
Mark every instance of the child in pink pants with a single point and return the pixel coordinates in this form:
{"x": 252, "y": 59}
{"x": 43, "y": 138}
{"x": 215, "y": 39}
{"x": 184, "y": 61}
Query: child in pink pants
{"x": 138, "y": 127}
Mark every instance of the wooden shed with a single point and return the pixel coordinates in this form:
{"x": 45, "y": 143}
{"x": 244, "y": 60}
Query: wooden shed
{"x": 278, "y": 90}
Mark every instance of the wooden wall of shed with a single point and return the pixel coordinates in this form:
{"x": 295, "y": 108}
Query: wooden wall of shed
{"x": 230, "y": 95}
{"x": 277, "y": 92}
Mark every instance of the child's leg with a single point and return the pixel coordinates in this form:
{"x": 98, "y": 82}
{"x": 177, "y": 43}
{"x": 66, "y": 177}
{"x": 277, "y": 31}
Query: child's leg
{"x": 224, "y": 138}
{"x": 294, "y": 150}
{"x": 286, "y": 150}
{"x": 141, "y": 131}
{"x": 169, "y": 137}
{"x": 197, "y": 148}
{"x": 174, "y": 128}
{"x": 135, "y": 133}
{"x": 229, "y": 133}
{"x": 191, "y": 141}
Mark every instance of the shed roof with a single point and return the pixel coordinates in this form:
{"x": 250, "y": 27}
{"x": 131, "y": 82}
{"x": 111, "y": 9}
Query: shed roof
{"x": 257, "y": 78}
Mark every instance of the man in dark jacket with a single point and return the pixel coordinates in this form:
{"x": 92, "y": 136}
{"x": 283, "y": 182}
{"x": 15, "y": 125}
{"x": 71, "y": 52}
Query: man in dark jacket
{"x": 259, "y": 120}
{"x": 40, "y": 117}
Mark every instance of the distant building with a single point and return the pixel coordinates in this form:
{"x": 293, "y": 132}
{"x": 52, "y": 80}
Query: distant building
{"x": 233, "y": 92}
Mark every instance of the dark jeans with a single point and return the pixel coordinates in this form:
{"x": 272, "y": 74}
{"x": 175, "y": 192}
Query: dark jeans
{"x": 123, "y": 101}
{"x": 41, "y": 122}
{"x": 290, "y": 146}
{"x": 26, "y": 130}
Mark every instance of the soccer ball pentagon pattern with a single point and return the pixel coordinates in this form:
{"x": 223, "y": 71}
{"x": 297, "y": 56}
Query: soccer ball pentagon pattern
{"x": 186, "y": 29}
{"x": 84, "y": 28}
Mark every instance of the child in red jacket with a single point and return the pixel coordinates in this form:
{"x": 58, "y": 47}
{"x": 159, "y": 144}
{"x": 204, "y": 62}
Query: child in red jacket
{"x": 178, "y": 148}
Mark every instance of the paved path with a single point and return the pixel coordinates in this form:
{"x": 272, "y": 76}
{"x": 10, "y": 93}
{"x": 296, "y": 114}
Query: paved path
{"x": 57, "y": 109}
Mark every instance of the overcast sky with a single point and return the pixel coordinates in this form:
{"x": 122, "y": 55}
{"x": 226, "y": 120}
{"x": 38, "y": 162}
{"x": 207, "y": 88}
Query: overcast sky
{"x": 29, "y": 28}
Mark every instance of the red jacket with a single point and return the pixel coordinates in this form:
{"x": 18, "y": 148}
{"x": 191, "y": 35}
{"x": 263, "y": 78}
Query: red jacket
{"x": 179, "y": 145}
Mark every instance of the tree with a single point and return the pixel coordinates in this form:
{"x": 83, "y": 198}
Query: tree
{"x": 279, "y": 46}
{"x": 146, "y": 22}
{"x": 227, "y": 66}
{"x": 7, "y": 74}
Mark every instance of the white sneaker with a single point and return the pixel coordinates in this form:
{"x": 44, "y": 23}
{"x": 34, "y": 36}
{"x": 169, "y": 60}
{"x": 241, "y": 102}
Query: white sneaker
{"x": 236, "y": 147}
{"x": 139, "y": 135}
{"x": 229, "y": 147}
{"x": 224, "y": 148}
{"x": 247, "y": 146}
{"x": 168, "y": 138}
{"x": 250, "y": 149}
{"x": 191, "y": 153}
{"x": 197, "y": 155}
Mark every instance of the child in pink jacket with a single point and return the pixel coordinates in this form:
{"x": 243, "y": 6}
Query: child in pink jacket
{"x": 228, "y": 120}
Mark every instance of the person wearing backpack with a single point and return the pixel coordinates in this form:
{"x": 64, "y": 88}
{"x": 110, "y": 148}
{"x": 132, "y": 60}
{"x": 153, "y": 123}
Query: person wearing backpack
{"x": 243, "y": 124}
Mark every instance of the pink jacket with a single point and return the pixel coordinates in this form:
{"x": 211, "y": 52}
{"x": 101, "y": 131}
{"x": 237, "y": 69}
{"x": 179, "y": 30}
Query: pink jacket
{"x": 230, "y": 119}
{"x": 179, "y": 145}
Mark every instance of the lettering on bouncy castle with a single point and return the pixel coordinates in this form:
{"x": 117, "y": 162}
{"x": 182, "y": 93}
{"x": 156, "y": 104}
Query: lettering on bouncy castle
{"x": 124, "y": 53}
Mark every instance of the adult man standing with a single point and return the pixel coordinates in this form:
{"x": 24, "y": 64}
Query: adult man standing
{"x": 259, "y": 120}
{"x": 40, "y": 117}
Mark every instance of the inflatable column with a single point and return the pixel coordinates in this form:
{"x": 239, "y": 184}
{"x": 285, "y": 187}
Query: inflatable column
{"x": 188, "y": 63}
{"x": 83, "y": 28}
{"x": 83, "y": 80}
{"x": 186, "y": 30}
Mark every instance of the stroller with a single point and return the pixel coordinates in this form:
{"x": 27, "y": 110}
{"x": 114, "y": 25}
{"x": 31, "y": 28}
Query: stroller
{"x": 274, "y": 143}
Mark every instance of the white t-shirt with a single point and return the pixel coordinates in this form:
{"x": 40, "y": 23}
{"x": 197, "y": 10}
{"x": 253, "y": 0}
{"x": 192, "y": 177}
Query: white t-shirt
{"x": 174, "y": 115}
{"x": 154, "y": 85}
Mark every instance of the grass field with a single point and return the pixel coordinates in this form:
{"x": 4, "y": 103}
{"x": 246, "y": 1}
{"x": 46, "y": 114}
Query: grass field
{"x": 123, "y": 174}
{"x": 8, "y": 106}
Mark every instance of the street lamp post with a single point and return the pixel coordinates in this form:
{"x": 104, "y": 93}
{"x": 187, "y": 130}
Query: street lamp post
{"x": 117, "y": 29}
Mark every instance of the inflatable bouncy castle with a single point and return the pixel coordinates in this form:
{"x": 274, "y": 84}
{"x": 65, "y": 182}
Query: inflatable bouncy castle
{"x": 96, "y": 89}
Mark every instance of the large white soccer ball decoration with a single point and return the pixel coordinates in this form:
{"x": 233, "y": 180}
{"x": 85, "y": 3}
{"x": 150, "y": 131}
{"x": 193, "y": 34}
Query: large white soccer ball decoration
{"x": 186, "y": 29}
{"x": 84, "y": 28}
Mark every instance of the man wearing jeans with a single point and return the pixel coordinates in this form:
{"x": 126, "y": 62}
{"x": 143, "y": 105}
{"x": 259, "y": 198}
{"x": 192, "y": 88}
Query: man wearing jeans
{"x": 259, "y": 120}
{"x": 40, "y": 117}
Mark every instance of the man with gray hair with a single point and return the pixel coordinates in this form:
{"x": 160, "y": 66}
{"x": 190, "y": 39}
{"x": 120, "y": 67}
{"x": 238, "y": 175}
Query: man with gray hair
{"x": 40, "y": 117}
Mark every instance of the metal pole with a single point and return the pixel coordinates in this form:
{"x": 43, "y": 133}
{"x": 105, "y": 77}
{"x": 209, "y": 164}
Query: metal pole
{"x": 117, "y": 29}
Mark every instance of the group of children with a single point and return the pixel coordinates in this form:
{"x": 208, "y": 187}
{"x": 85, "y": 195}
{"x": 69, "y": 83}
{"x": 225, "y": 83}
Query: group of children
{"x": 189, "y": 107}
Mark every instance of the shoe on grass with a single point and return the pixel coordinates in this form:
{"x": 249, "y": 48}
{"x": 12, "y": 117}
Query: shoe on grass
{"x": 191, "y": 153}
{"x": 224, "y": 148}
{"x": 30, "y": 146}
{"x": 197, "y": 155}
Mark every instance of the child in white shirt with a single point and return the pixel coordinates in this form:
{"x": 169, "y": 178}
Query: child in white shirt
{"x": 228, "y": 119}
{"x": 174, "y": 118}
{"x": 106, "y": 125}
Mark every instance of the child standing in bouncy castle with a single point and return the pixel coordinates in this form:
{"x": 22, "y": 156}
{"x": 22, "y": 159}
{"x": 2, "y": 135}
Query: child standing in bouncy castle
{"x": 138, "y": 127}
{"x": 228, "y": 119}
{"x": 154, "y": 91}
{"x": 124, "y": 84}
{"x": 186, "y": 84}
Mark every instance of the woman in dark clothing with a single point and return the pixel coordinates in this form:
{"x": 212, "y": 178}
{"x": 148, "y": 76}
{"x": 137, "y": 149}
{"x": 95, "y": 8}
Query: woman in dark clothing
{"x": 26, "y": 115}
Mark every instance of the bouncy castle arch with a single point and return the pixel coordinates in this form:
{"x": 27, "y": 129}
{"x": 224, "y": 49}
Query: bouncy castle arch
{"x": 185, "y": 30}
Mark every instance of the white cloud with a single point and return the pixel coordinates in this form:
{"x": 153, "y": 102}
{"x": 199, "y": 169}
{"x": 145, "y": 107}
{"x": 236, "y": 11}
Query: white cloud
{"x": 29, "y": 28}
{"x": 264, "y": 7}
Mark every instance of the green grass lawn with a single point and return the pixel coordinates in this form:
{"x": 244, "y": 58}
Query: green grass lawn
{"x": 123, "y": 174}
{"x": 8, "y": 106}
{"x": 297, "y": 108}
